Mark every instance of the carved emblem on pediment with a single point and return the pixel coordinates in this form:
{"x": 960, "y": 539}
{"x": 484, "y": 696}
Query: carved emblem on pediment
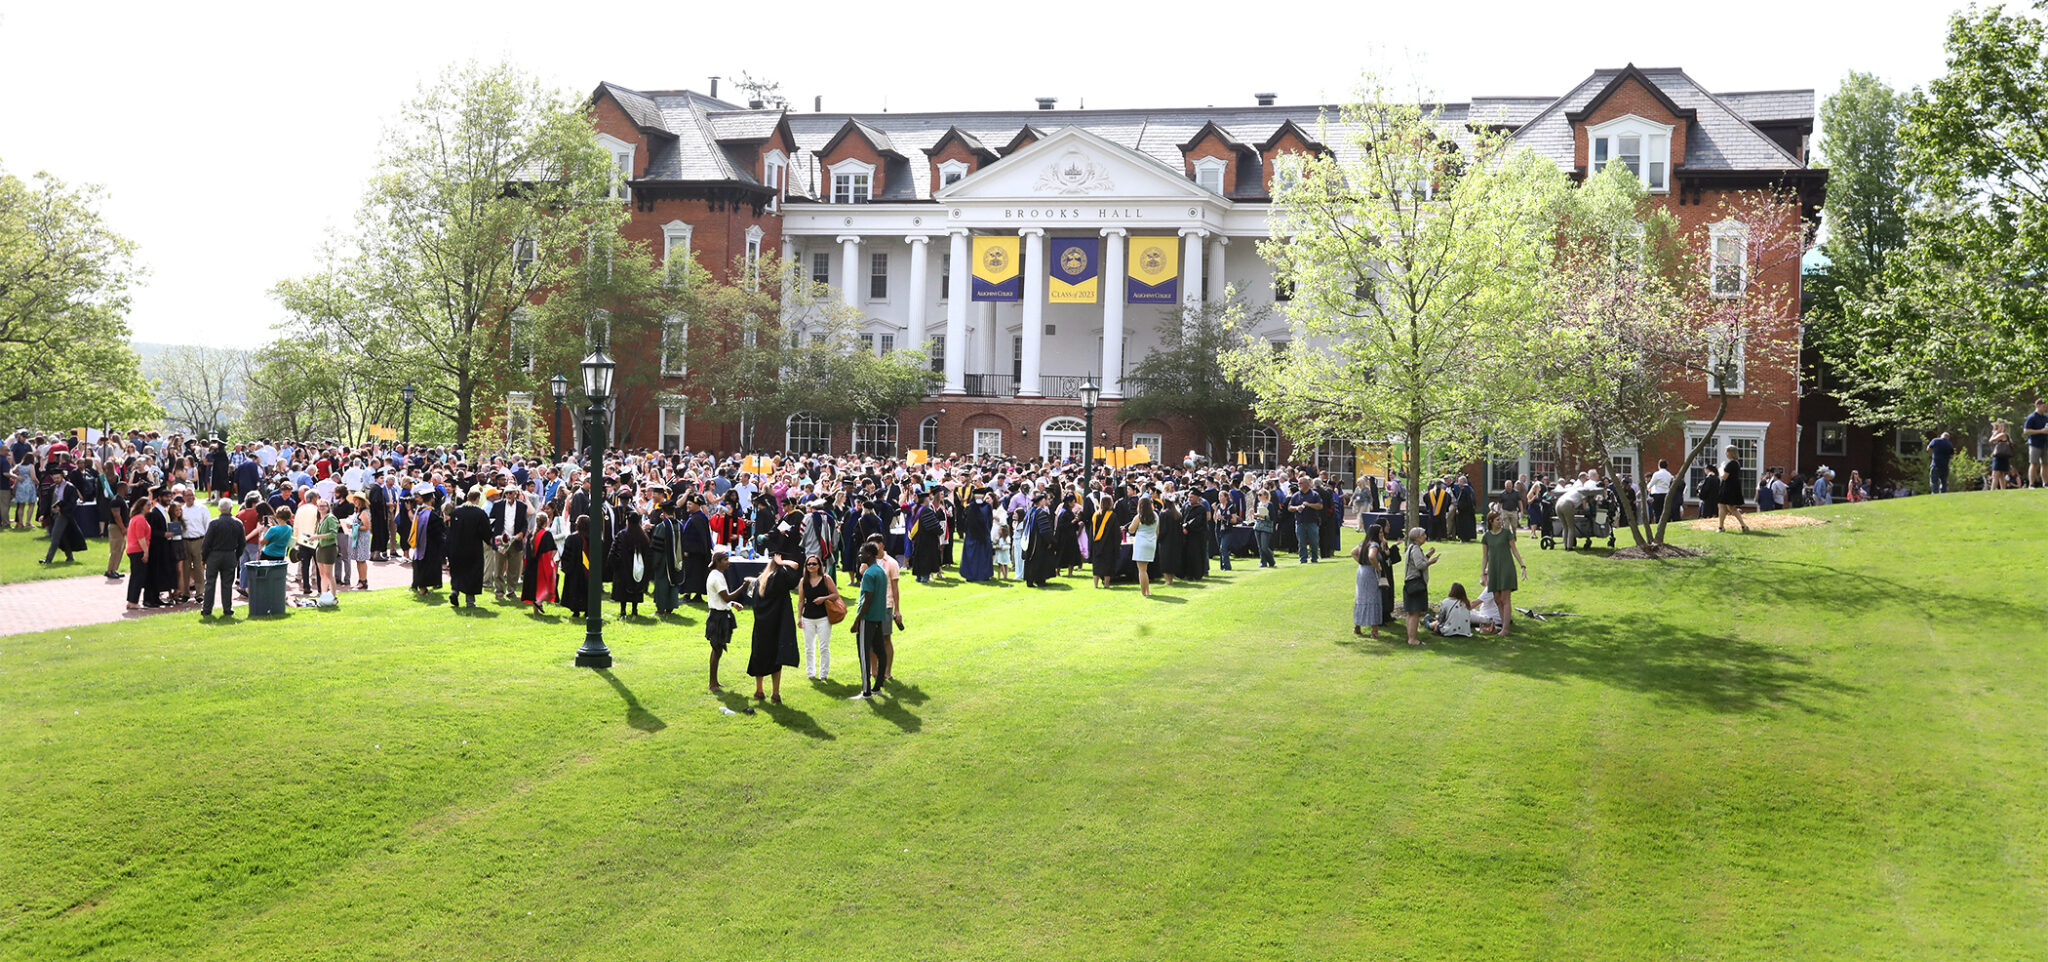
{"x": 1075, "y": 173}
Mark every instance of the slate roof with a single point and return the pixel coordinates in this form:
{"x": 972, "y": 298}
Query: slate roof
{"x": 710, "y": 139}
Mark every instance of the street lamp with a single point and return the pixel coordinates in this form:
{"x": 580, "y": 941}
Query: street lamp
{"x": 597, "y": 386}
{"x": 560, "y": 386}
{"x": 408, "y": 392}
{"x": 1090, "y": 395}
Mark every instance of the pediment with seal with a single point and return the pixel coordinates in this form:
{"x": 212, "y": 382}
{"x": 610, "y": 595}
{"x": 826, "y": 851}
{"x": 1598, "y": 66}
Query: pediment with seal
{"x": 1072, "y": 164}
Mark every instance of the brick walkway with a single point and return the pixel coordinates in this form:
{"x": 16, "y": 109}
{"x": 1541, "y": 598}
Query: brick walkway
{"x": 94, "y": 600}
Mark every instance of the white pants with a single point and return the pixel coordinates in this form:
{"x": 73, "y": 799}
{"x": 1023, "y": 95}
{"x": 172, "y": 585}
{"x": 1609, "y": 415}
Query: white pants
{"x": 817, "y": 646}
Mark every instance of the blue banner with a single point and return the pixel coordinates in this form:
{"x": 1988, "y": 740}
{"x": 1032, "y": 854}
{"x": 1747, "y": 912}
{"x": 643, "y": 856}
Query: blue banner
{"x": 1076, "y": 270}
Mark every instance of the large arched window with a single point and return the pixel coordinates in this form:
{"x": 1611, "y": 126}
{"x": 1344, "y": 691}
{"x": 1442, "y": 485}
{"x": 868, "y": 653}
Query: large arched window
{"x": 808, "y": 434}
{"x": 1259, "y": 444}
{"x": 1338, "y": 461}
{"x": 928, "y": 435}
{"x": 875, "y": 437}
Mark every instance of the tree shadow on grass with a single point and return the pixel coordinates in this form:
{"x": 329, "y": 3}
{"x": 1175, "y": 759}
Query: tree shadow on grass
{"x": 637, "y": 714}
{"x": 1674, "y": 664}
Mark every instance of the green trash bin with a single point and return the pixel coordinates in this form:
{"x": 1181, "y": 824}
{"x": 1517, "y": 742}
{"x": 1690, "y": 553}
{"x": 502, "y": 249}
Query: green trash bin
{"x": 267, "y": 581}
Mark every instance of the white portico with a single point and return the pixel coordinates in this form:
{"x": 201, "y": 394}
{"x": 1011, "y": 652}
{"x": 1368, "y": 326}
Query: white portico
{"x": 1072, "y": 183}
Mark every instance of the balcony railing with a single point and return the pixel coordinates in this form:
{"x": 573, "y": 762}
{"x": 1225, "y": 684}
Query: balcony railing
{"x": 1005, "y": 385}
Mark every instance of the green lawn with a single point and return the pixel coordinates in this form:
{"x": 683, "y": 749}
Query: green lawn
{"x": 22, "y": 551}
{"x": 1824, "y": 743}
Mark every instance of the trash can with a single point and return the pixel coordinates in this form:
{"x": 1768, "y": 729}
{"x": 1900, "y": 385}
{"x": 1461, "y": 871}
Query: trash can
{"x": 267, "y": 580}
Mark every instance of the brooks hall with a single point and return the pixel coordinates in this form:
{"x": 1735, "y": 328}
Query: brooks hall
{"x": 1154, "y": 209}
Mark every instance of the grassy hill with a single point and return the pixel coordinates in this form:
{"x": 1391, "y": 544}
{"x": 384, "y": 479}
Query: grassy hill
{"x": 1817, "y": 743}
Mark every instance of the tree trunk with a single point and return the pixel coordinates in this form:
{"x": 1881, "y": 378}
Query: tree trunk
{"x": 1414, "y": 472}
{"x": 1692, "y": 457}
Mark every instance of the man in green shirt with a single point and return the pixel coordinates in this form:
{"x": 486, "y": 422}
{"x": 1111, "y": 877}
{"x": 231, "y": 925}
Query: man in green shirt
{"x": 874, "y": 615}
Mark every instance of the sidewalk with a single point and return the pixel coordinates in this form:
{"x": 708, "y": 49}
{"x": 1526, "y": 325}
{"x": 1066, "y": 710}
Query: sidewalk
{"x": 95, "y": 600}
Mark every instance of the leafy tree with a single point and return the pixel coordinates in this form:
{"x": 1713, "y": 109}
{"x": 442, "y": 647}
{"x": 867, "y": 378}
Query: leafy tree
{"x": 1412, "y": 314}
{"x": 64, "y": 281}
{"x": 1956, "y": 326}
{"x": 492, "y": 192}
{"x": 333, "y": 369}
{"x": 1865, "y": 213}
{"x": 200, "y": 388}
{"x": 1184, "y": 377}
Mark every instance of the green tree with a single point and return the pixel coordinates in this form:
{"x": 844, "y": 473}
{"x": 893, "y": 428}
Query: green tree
{"x": 200, "y": 388}
{"x": 64, "y": 282}
{"x": 1184, "y": 376}
{"x": 1411, "y": 313}
{"x": 492, "y": 192}
{"x": 1868, "y": 196}
{"x": 1955, "y": 328}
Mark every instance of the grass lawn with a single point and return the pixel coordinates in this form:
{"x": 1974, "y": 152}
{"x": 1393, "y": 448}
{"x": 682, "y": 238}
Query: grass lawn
{"x": 21, "y": 552}
{"x": 1820, "y": 743}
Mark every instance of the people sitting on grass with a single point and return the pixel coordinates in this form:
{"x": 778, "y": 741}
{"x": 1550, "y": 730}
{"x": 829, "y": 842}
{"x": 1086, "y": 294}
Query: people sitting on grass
{"x": 1453, "y": 615}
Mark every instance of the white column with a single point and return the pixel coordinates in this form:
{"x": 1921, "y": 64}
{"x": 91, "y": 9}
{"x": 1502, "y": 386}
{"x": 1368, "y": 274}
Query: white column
{"x": 1218, "y": 280}
{"x": 956, "y": 316}
{"x": 1034, "y": 308}
{"x": 919, "y": 295}
{"x": 849, "y": 268}
{"x": 1191, "y": 275}
{"x": 993, "y": 361}
{"x": 1113, "y": 242}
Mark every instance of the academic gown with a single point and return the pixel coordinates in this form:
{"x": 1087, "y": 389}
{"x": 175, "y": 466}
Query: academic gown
{"x": 852, "y": 535}
{"x": 1104, "y": 539}
{"x": 1041, "y": 557}
{"x": 926, "y": 527}
{"x": 1467, "y": 525}
{"x": 1172, "y": 542}
{"x": 1194, "y": 554}
{"x": 977, "y": 559}
{"x": 696, "y": 544}
{"x": 774, "y": 625}
{"x": 163, "y": 567}
{"x": 380, "y": 520}
{"x": 537, "y": 581}
{"x": 626, "y": 589}
{"x": 1066, "y": 538}
{"x": 575, "y": 573}
{"x": 662, "y": 550}
{"x": 429, "y": 547}
{"x": 1332, "y": 531}
{"x": 469, "y": 530}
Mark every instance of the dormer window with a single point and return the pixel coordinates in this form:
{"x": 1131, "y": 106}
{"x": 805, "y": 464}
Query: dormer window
{"x": 775, "y": 176}
{"x": 622, "y": 166}
{"x": 1642, "y": 146}
{"x": 1209, "y": 173}
{"x": 853, "y": 182}
{"x": 952, "y": 172}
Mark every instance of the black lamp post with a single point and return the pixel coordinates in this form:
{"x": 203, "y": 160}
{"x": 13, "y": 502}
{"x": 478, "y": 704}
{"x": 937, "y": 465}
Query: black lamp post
{"x": 597, "y": 385}
{"x": 408, "y": 392}
{"x": 1090, "y": 395}
{"x": 560, "y": 386}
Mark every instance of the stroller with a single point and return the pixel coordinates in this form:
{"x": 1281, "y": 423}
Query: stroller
{"x": 1595, "y": 520}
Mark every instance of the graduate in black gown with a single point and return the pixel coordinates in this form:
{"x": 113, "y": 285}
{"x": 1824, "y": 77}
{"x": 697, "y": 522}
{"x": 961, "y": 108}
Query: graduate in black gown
{"x": 664, "y": 548}
{"x": 537, "y": 577}
{"x": 861, "y": 524}
{"x": 630, "y": 546}
{"x": 926, "y": 527}
{"x": 1041, "y": 558}
{"x": 774, "y": 624}
{"x": 469, "y": 534}
{"x": 977, "y": 559}
{"x": 1066, "y": 535}
{"x": 696, "y": 543}
{"x": 1332, "y": 530}
{"x": 429, "y": 533}
{"x": 1105, "y": 537}
{"x": 575, "y": 560}
{"x": 1194, "y": 551}
{"x": 163, "y": 565}
{"x": 1172, "y": 540}
{"x": 1467, "y": 524}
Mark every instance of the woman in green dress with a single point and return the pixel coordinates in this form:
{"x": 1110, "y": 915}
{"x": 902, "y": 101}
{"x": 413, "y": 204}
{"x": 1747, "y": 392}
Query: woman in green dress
{"x": 1500, "y": 560}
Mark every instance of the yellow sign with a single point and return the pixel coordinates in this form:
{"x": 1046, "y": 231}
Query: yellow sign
{"x": 1154, "y": 266}
{"x": 998, "y": 264}
{"x": 758, "y": 464}
{"x": 917, "y": 456}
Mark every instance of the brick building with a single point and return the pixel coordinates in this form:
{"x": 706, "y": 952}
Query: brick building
{"x": 882, "y": 207}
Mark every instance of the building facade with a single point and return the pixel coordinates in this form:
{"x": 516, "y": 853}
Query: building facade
{"x": 885, "y": 208}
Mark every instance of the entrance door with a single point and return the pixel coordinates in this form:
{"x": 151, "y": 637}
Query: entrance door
{"x": 1061, "y": 438}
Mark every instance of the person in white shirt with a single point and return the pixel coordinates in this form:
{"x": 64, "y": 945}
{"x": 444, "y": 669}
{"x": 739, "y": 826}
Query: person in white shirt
{"x": 193, "y": 554}
{"x": 1660, "y": 488}
{"x": 719, "y": 622}
{"x": 1486, "y": 615}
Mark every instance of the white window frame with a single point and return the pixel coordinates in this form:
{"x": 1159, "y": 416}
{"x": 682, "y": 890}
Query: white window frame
{"x": 1210, "y": 166}
{"x": 775, "y": 176}
{"x": 671, "y": 408}
{"x": 675, "y": 239}
{"x": 938, "y": 354}
{"x": 1730, "y": 432}
{"x": 850, "y": 168}
{"x": 952, "y": 172}
{"x": 928, "y": 433}
{"x": 821, "y": 267}
{"x": 1907, "y": 442}
{"x": 885, "y": 345}
{"x": 519, "y": 419}
{"x": 945, "y": 276}
{"x": 1152, "y": 443}
{"x": 1738, "y": 233}
{"x": 623, "y": 154}
{"x": 1623, "y": 452}
{"x": 878, "y": 269}
{"x": 1714, "y": 349}
{"x": 988, "y": 441}
{"x": 525, "y": 253}
{"x": 754, "y": 235}
{"x": 876, "y": 437}
{"x": 675, "y": 346}
{"x": 520, "y": 334}
{"x": 824, "y": 436}
{"x": 1820, "y": 434}
{"x": 1654, "y": 142}
{"x": 598, "y": 320}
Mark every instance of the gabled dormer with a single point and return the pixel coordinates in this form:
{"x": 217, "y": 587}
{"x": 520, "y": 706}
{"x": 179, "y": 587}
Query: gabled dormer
{"x": 1025, "y": 138}
{"x": 1215, "y": 160}
{"x": 956, "y": 155}
{"x": 1289, "y": 139}
{"x": 629, "y": 126}
{"x": 1633, "y": 122}
{"x": 856, "y": 162}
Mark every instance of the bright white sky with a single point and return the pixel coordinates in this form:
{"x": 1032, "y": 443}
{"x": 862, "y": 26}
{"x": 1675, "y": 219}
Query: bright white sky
{"x": 233, "y": 137}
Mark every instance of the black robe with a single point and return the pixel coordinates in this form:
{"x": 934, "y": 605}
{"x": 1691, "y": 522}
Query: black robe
{"x": 924, "y": 547}
{"x": 632, "y": 543}
{"x": 380, "y": 520}
{"x": 1104, "y": 539}
{"x": 1332, "y": 533}
{"x": 696, "y": 535}
{"x": 1467, "y": 524}
{"x": 537, "y": 577}
{"x": 1172, "y": 541}
{"x": 432, "y": 549}
{"x": 1041, "y": 557}
{"x": 575, "y": 566}
{"x": 774, "y": 625}
{"x": 1066, "y": 538}
{"x": 1194, "y": 555}
{"x": 163, "y": 566}
{"x": 469, "y": 532}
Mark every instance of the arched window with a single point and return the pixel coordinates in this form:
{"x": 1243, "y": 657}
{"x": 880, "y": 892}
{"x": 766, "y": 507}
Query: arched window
{"x": 875, "y": 437}
{"x": 1064, "y": 424}
{"x": 1259, "y": 444}
{"x": 928, "y": 434}
{"x": 808, "y": 434}
{"x": 1338, "y": 461}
